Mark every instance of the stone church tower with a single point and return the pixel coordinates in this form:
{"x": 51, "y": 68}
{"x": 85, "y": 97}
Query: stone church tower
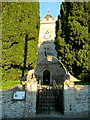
{"x": 48, "y": 67}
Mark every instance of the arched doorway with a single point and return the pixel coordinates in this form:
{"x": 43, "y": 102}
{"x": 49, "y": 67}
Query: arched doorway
{"x": 46, "y": 77}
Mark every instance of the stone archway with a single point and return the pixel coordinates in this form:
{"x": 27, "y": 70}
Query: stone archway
{"x": 46, "y": 77}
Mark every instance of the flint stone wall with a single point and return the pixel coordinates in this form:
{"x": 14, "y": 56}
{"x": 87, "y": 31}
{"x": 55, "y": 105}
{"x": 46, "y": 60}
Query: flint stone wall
{"x": 18, "y": 109}
{"x": 77, "y": 100}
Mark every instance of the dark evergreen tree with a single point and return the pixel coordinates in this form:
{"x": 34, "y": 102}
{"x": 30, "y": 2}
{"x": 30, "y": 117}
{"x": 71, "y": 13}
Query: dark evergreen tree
{"x": 72, "y": 42}
{"x": 20, "y": 24}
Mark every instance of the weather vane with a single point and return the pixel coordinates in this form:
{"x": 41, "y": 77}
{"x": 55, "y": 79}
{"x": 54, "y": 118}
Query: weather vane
{"x": 48, "y": 11}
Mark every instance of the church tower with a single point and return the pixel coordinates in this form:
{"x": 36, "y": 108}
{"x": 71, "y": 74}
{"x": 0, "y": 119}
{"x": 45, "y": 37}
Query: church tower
{"x": 48, "y": 67}
{"x": 46, "y": 37}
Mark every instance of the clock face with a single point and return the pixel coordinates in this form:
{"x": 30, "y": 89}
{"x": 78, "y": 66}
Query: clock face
{"x": 47, "y": 35}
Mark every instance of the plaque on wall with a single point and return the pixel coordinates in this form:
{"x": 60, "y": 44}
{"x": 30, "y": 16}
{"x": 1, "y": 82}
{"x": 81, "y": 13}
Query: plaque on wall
{"x": 19, "y": 95}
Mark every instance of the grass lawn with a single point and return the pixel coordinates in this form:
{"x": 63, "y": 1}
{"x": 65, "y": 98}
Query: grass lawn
{"x": 9, "y": 84}
{"x": 82, "y": 83}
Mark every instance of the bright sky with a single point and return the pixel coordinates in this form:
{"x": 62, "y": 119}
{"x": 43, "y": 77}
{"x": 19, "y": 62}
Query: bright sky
{"x": 53, "y": 6}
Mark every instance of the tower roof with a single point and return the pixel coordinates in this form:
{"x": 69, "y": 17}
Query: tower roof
{"x": 48, "y": 17}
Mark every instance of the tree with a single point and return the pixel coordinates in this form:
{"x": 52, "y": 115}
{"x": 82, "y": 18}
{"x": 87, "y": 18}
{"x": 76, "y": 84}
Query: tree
{"x": 19, "y": 19}
{"x": 73, "y": 41}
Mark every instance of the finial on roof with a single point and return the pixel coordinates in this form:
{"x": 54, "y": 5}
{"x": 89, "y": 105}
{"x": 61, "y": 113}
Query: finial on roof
{"x": 48, "y": 11}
